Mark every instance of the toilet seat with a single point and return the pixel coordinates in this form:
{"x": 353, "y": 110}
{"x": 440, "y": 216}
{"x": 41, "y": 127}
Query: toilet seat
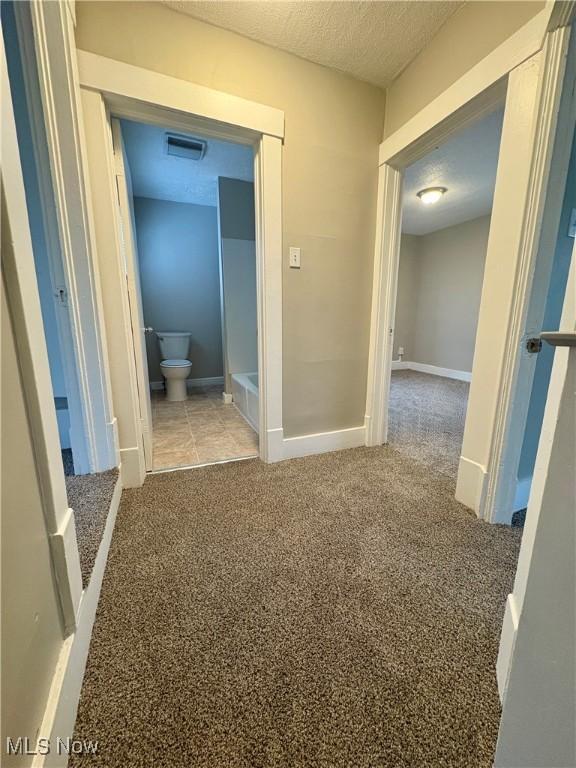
{"x": 174, "y": 363}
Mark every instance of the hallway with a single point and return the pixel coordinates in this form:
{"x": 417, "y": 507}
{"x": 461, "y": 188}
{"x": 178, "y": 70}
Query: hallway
{"x": 334, "y": 610}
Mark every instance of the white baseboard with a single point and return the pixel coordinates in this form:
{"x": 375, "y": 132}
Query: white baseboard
{"x": 227, "y": 397}
{"x": 132, "y": 467}
{"x": 66, "y": 563}
{"x": 275, "y": 444}
{"x": 434, "y": 370}
{"x": 323, "y": 442}
{"x": 192, "y": 383}
{"x": 471, "y": 484}
{"x": 62, "y": 706}
{"x": 522, "y": 494}
{"x": 507, "y": 642}
{"x": 114, "y": 441}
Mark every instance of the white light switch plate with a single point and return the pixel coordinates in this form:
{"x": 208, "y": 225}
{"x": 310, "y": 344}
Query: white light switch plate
{"x": 295, "y": 258}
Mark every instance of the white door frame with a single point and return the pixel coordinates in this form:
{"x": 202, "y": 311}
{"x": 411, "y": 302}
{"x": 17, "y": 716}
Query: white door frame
{"x": 19, "y": 273}
{"x": 547, "y": 182}
{"x": 130, "y": 249}
{"x": 123, "y": 90}
{"x": 518, "y": 61}
{"x": 58, "y": 278}
{"x": 53, "y": 41}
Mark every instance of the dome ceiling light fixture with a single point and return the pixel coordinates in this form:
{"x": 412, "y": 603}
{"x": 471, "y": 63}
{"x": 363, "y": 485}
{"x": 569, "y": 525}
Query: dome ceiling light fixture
{"x": 431, "y": 195}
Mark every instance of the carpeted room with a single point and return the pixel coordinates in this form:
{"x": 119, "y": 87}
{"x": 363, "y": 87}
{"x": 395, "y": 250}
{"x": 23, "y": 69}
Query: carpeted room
{"x": 334, "y": 610}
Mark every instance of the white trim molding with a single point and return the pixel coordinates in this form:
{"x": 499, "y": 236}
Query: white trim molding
{"x": 471, "y": 483}
{"x": 544, "y": 188}
{"x": 116, "y": 80}
{"x": 56, "y": 64}
{"x": 268, "y": 207}
{"x": 64, "y": 550}
{"x": 323, "y": 442}
{"x": 507, "y": 643}
{"x": 62, "y": 705}
{"x": 434, "y": 370}
{"x": 386, "y": 258}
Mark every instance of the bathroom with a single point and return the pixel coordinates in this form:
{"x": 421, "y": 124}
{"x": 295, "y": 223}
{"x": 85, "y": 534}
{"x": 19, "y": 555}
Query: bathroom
{"x": 191, "y": 203}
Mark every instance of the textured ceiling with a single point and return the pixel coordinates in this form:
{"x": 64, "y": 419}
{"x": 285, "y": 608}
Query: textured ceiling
{"x": 466, "y": 165}
{"x": 161, "y": 176}
{"x": 372, "y": 41}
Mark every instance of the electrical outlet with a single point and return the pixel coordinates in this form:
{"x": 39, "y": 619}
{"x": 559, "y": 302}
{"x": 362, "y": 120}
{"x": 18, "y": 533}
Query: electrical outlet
{"x": 294, "y": 258}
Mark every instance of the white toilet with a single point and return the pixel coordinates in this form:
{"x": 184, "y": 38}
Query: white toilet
{"x": 175, "y": 366}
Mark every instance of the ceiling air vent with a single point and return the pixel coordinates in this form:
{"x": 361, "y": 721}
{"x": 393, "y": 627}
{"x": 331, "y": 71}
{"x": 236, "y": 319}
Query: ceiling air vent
{"x": 183, "y": 146}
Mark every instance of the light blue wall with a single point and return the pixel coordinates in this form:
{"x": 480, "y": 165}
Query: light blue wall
{"x": 552, "y": 317}
{"x": 180, "y": 280}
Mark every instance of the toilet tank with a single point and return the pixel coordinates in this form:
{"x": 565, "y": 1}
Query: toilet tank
{"x": 173, "y": 345}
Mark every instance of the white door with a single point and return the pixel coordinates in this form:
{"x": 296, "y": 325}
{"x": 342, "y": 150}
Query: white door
{"x": 536, "y": 663}
{"x": 125, "y": 201}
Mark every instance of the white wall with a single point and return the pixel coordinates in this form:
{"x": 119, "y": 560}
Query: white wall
{"x": 238, "y": 254}
{"x": 439, "y": 289}
{"x": 179, "y": 275}
{"x": 32, "y": 635}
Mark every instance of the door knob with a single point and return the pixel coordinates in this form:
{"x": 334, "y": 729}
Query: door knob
{"x": 559, "y": 338}
{"x": 148, "y": 330}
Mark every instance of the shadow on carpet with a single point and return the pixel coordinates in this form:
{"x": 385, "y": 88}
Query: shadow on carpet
{"x": 336, "y": 610}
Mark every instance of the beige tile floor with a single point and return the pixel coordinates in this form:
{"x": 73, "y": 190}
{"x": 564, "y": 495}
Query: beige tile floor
{"x": 200, "y": 430}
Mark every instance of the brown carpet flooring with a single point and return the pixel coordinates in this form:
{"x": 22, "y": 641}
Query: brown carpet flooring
{"x": 90, "y": 496}
{"x": 337, "y": 610}
{"x": 427, "y": 415}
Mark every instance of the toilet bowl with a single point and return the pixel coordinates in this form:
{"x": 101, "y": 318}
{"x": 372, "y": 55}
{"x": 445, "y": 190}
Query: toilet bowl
{"x": 175, "y": 373}
{"x": 175, "y": 366}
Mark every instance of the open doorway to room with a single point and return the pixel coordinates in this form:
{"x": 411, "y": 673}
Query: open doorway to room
{"x": 48, "y": 260}
{"x": 191, "y": 213}
{"x": 446, "y": 208}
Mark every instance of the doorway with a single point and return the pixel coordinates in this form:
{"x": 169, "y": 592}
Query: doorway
{"x": 538, "y": 92}
{"x": 188, "y": 203}
{"x": 111, "y": 88}
{"x": 446, "y": 207}
{"x": 48, "y": 260}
